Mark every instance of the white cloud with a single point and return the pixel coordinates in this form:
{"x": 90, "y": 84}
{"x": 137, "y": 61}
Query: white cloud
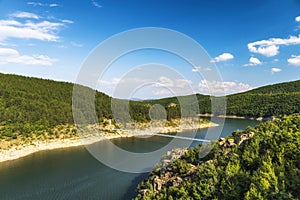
{"x": 8, "y": 55}
{"x": 67, "y": 21}
{"x": 297, "y": 19}
{"x": 169, "y": 83}
{"x": 35, "y": 3}
{"x": 128, "y": 81}
{"x": 43, "y": 30}
{"x": 183, "y": 83}
{"x": 222, "y": 88}
{"x": 275, "y": 70}
{"x": 253, "y": 62}
{"x": 168, "y": 87}
{"x": 53, "y": 5}
{"x": 223, "y": 57}
{"x": 294, "y": 60}
{"x": 148, "y": 88}
{"x": 42, "y": 4}
{"x": 164, "y": 82}
{"x": 25, "y": 15}
{"x": 270, "y": 47}
{"x": 196, "y": 69}
{"x": 96, "y": 4}
{"x": 75, "y": 44}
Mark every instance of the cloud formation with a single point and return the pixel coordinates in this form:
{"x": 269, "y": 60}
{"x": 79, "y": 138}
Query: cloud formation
{"x": 75, "y": 44}
{"x": 275, "y": 70}
{"x": 223, "y": 57}
{"x": 8, "y": 55}
{"x": 297, "y": 19}
{"x": 294, "y": 60}
{"x": 221, "y": 88}
{"x": 96, "y": 4}
{"x": 42, "y": 30}
{"x": 270, "y": 47}
{"x": 42, "y": 4}
{"x": 253, "y": 62}
{"x": 199, "y": 69}
{"x": 25, "y": 15}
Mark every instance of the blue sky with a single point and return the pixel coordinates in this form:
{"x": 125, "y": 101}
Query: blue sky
{"x": 252, "y": 43}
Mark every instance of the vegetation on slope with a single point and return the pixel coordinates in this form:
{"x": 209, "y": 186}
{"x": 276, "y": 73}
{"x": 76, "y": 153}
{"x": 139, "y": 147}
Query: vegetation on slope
{"x": 33, "y": 108}
{"x": 274, "y": 100}
{"x": 288, "y": 87}
{"x": 257, "y": 163}
{"x": 279, "y": 99}
{"x": 38, "y": 108}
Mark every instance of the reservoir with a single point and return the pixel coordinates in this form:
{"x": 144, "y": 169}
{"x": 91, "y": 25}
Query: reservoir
{"x": 73, "y": 173}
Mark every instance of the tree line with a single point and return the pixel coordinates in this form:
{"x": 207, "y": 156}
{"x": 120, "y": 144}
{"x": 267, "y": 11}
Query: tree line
{"x": 265, "y": 166}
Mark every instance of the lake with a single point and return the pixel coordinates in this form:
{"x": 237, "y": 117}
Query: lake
{"x": 73, "y": 173}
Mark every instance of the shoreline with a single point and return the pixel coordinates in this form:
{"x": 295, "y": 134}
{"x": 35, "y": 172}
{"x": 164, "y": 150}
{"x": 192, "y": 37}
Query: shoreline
{"x": 271, "y": 118}
{"x": 24, "y": 150}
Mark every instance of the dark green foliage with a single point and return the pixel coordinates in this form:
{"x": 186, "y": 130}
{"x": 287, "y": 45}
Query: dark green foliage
{"x": 263, "y": 105}
{"x": 274, "y": 100}
{"x": 40, "y": 105}
{"x": 32, "y": 104}
{"x": 44, "y": 104}
{"x": 288, "y": 87}
{"x": 266, "y": 166}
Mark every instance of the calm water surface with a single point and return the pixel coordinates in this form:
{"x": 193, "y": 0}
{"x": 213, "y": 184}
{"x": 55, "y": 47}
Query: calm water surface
{"x": 73, "y": 173}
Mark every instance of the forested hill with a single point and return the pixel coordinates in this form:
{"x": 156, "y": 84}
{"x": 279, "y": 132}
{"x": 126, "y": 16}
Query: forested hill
{"x": 257, "y": 163}
{"x": 273, "y": 100}
{"x": 47, "y": 102}
{"x": 287, "y": 87}
{"x": 38, "y": 101}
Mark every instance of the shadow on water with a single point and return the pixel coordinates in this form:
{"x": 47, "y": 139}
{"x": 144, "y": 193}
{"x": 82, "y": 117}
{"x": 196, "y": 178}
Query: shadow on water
{"x": 131, "y": 192}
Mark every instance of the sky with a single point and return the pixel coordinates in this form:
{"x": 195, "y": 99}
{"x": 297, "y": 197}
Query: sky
{"x": 251, "y": 43}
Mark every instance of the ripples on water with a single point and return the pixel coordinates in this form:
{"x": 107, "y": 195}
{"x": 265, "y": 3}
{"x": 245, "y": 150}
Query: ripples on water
{"x": 74, "y": 174}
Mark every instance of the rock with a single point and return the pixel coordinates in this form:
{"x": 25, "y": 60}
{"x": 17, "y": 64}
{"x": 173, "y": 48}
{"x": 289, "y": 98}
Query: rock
{"x": 244, "y": 137}
{"x": 192, "y": 169}
{"x": 222, "y": 141}
{"x": 171, "y": 156}
{"x": 226, "y": 142}
{"x": 172, "y": 105}
{"x": 143, "y": 192}
{"x": 209, "y": 162}
{"x": 230, "y": 142}
{"x": 157, "y": 183}
{"x": 177, "y": 181}
{"x": 259, "y": 119}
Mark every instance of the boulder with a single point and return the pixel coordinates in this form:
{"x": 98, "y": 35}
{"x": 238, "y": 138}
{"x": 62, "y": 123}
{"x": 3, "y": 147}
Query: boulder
{"x": 177, "y": 181}
{"x": 157, "y": 183}
{"x": 244, "y": 137}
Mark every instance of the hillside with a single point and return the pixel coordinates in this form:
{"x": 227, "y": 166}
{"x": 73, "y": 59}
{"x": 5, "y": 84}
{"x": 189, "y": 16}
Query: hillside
{"x": 39, "y": 109}
{"x": 293, "y": 86}
{"x": 31, "y": 104}
{"x": 257, "y": 163}
{"x": 273, "y": 100}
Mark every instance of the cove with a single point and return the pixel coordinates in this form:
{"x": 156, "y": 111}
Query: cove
{"x": 73, "y": 173}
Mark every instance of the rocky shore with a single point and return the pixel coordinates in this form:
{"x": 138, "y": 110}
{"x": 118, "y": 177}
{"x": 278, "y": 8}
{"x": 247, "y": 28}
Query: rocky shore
{"x": 15, "y": 151}
{"x": 270, "y": 118}
{"x": 164, "y": 174}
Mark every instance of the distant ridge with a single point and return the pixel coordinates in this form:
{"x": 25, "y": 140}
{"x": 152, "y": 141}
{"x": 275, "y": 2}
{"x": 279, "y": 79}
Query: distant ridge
{"x": 292, "y": 86}
{"x": 49, "y": 103}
